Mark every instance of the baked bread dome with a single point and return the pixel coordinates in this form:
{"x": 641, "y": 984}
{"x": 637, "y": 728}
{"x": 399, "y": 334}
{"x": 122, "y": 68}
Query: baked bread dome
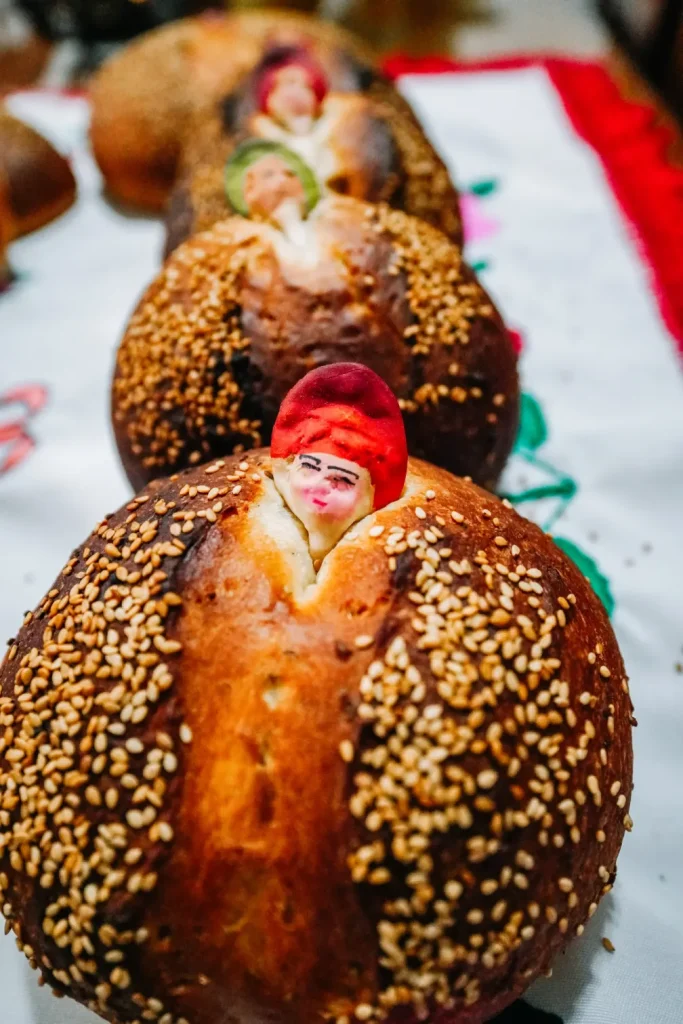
{"x": 234, "y": 792}
{"x": 239, "y": 313}
{"x": 40, "y": 182}
{"x": 144, "y": 97}
{"x": 362, "y": 138}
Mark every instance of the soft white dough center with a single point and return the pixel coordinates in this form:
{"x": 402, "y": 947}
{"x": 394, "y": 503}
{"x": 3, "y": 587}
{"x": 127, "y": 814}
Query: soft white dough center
{"x": 271, "y": 515}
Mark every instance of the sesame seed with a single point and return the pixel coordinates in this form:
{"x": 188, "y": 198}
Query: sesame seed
{"x": 364, "y": 641}
{"x": 453, "y": 890}
{"x": 487, "y": 779}
{"x": 165, "y": 832}
{"x": 135, "y": 818}
{"x": 346, "y": 751}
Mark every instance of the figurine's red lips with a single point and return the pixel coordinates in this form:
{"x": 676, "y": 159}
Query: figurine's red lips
{"x": 319, "y": 502}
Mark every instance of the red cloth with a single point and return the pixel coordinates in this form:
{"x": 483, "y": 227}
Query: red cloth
{"x": 346, "y": 410}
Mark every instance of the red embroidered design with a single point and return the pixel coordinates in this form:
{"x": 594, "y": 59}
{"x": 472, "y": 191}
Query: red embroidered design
{"x": 16, "y": 442}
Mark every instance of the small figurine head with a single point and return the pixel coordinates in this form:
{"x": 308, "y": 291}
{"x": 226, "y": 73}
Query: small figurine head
{"x": 260, "y": 176}
{"x": 338, "y": 450}
{"x": 291, "y": 89}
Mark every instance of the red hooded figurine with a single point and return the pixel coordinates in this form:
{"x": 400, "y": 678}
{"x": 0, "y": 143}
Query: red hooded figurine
{"x": 339, "y": 450}
{"x": 291, "y": 90}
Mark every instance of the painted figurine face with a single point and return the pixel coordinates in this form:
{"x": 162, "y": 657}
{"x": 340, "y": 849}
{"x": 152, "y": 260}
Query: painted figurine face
{"x": 329, "y": 486}
{"x": 338, "y": 450}
{"x": 327, "y": 493}
{"x": 292, "y": 99}
{"x": 268, "y": 183}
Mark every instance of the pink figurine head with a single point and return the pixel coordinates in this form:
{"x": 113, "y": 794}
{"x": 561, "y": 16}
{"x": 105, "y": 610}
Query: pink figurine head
{"x": 292, "y": 90}
{"x": 338, "y": 449}
{"x": 268, "y": 183}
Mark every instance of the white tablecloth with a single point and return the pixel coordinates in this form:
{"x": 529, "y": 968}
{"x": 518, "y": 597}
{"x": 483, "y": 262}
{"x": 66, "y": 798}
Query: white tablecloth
{"x": 597, "y": 359}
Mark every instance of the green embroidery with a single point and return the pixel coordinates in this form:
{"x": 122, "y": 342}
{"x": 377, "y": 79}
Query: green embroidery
{"x": 533, "y": 431}
{"x": 483, "y": 188}
{"x": 532, "y": 434}
{"x": 561, "y": 487}
{"x": 552, "y": 485}
{"x": 590, "y": 570}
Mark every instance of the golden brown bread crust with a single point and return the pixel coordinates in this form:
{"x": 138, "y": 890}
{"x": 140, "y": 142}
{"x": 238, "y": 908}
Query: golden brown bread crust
{"x": 41, "y": 185}
{"x": 229, "y": 326}
{"x": 435, "y": 734}
{"x": 143, "y": 98}
{"x": 367, "y": 144}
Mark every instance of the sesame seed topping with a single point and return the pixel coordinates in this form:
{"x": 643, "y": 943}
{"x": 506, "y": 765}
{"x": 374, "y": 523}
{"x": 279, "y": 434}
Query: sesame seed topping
{"x": 172, "y": 409}
{"x": 441, "y": 756}
{"x": 346, "y": 750}
{"x": 88, "y": 825}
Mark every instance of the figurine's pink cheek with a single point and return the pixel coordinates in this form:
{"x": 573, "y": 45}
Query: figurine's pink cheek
{"x": 334, "y": 503}
{"x": 317, "y": 495}
{"x": 295, "y": 100}
{"x": 342, "y": 501}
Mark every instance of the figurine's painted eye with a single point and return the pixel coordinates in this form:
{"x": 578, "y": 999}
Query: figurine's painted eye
{"x": 342, "y": 483}
{"x": 246, "y": 155}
